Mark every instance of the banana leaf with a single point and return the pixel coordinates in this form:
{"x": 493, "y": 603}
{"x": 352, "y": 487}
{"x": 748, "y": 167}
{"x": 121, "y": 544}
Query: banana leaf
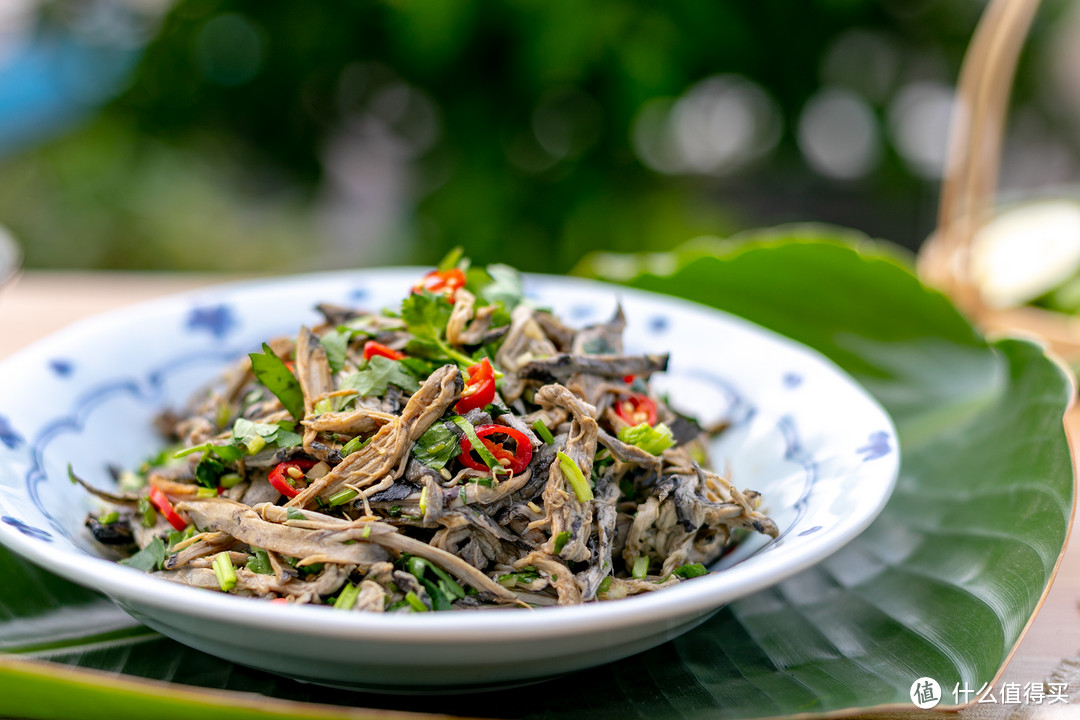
{"x": 942, "y": 585}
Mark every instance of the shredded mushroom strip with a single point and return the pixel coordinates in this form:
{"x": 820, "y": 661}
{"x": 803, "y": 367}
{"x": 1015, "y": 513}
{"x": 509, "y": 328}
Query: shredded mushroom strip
{"x": 467, "y": 451}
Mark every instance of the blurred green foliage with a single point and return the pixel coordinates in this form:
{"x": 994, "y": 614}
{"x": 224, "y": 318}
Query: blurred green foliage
{"x": 512, "y": 120}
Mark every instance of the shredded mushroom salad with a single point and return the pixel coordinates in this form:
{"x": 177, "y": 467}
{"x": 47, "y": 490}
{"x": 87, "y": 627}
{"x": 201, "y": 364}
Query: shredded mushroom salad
{"x": 467, "y": 450}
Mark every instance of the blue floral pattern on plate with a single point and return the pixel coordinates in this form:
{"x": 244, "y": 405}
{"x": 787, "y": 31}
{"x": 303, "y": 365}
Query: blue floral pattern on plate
{"x": 219, "y": 320}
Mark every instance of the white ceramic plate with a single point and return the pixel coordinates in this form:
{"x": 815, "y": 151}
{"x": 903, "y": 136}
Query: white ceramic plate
{"x": 821, "y": 451}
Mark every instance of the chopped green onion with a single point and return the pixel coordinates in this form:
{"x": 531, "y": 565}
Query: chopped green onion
{"x": 641, "y": 567}
{"x": 342, "y": 496}
{"x": 324, "y": 406}
{"x": 254, "y": 444}
{"x": 423, "y": 501}
{"x": 416, "y": 566}
{"x": 353, "y": 445}
{"x": 294, "y": 514}
{"x": 560, "y": 541}
{"x": 347, "y": 599}
{"x": 366, "y": 532}
{"x": 653, "y": 440}
{"x": 477, "y": 446}
{"x": 230, "y": 480}
{"x": 690, "y": 570}
{"x": 574, "y": 477}
{"x": 542, "y": 430}
{"x": 605, "y": 585}
{"x": 206, "y": 492}
{"x": 226, "y": 573}
{"x": 109, "y": 518}
{"x": 414, "y": 600}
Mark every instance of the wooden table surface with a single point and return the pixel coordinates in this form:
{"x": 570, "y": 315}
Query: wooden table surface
{"x": 39, "y": 303}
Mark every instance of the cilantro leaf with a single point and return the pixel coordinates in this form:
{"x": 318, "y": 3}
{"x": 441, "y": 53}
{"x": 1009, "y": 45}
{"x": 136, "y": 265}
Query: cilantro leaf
{"x": 151, "y": 557}
{"x": 209, "y": 471}
{"x": 287, "y": 438}
{"x": 260, "y": 562}
{"x": 690, "y": 570}
{"x": 436, "y": 446}
{"x": 336, "y": 344}
{"x": 505, "y": 287}
{"x": 272, "y": 372}
{"x": 376, "y": 374}
{"x": 252, "y": 435}
{"x": 426, "y": 315}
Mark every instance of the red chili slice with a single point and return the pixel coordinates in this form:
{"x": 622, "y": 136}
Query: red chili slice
{"x": 480, "y": 388}
{"x": 515, "y": 461}
{"x": 442, "y": 281}
{"x": 281, "y": 480}
{"x": 636, "y": 408}
{"x": 158, "y": 500}
{"x": 372, "y": 348}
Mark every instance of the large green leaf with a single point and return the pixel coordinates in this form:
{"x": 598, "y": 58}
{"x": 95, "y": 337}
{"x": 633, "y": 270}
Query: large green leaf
{"x": 941, "y": 585}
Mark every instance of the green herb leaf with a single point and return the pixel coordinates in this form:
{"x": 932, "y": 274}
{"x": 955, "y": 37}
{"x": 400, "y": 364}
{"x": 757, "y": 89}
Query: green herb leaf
{"x": 272, "y": 372}
{"x": 505, "y": 287}
{"x": 260, "y": 562}
{"x": 336, "y": 344}
{"x": 178, "y": 536}
{"x": 560, "y": 541}
{"x": 690, "y": 570}
{"x": 437, "y": 446}
{"x": 426, "y": 315}
{"x": 294, "y": 514}
{"x": 149, "y": 514}
{"x": 252, "y": 435}
{"x": 453, "y": 259}
{"x": 653, "y": 440}
{"x": 209, "y": 471}
{"x": 150, "y": 558}
{"x": 376, "y": 374}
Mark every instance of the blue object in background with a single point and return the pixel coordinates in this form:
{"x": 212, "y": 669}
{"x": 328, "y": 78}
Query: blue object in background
{"x": 53, "y": 79}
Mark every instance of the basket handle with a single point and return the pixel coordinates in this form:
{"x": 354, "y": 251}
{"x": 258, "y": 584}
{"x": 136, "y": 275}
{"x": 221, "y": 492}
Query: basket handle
{"x": 974, "y": 152}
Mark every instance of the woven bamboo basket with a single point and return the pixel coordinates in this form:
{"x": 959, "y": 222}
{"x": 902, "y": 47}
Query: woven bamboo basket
{"x": 968, "y": 191}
